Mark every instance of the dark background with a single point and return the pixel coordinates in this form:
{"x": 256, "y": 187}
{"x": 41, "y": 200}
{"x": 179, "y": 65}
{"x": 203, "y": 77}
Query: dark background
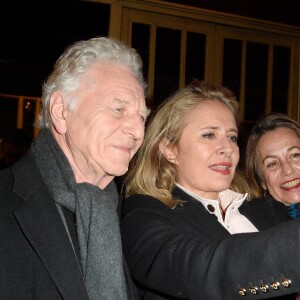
{"x": 287, "y": 12}
{"x": 34, "y": 33}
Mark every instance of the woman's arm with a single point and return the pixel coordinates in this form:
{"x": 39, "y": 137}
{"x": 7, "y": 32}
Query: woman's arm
{"x": 168, "y": 255}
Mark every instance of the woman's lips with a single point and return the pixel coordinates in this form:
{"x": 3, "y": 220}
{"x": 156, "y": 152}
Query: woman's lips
{"x": 291, "y": 184}
{"x": 221, "y": 168}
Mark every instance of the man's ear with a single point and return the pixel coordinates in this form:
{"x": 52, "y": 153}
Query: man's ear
{"x": 58, "y": 112}
{"x": 168, "y": 150}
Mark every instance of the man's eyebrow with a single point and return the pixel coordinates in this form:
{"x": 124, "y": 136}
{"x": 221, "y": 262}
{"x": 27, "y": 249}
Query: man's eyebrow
{"x": 146, "y": 111}
{"x": 121, "y": 101}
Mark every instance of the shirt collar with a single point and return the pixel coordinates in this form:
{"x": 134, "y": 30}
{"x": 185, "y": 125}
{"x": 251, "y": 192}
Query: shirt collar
{"x": 227, "y": 197}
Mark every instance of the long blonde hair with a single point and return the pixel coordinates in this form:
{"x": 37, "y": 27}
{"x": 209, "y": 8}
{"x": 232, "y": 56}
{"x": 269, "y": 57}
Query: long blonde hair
{"x": 150, "y": 172}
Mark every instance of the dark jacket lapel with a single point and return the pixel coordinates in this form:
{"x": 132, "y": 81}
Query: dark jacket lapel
{"x": 196, "y": 214}
{"x": 44, "y": 230}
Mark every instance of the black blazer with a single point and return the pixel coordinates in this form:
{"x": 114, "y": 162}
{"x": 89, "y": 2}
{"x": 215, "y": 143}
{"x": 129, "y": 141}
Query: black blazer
{"x": 185, "y": 253}
{"x": 36, "y": 258}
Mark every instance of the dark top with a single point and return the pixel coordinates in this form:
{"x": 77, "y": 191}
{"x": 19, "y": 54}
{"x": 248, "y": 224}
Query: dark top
{"x": 36, "y": 257}
{"x": 185, "y": 253}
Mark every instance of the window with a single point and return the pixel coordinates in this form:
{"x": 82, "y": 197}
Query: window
{"x": 258, "y": 61}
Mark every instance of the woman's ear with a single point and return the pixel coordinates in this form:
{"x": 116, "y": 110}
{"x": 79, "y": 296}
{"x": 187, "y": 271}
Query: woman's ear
{"x": 58, "y": 112}
{"x": 264, "y": 186}
{"x": 168, "y": 150}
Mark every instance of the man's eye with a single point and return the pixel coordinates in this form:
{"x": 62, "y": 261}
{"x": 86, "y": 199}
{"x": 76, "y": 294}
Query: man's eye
{"x": 119, "y": 109}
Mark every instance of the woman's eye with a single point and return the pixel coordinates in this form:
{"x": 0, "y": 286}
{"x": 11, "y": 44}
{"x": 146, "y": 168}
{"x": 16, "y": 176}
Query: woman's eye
{"x": 233, "y": 138}
{"x": 295, "y": 155}
{"x": 208, "y": 135}
{"x": 271, "y": 164}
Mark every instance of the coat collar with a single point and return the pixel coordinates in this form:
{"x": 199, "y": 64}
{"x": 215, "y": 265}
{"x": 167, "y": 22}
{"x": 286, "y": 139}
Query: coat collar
{"x": 194, "y": 213}
{"x": 44, "y": 230}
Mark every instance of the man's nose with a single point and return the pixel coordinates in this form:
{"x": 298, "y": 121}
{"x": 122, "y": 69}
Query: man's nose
{"x": 135, "y": 126}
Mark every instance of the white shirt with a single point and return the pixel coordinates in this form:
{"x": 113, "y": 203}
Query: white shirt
{"x": 233, "y": 220}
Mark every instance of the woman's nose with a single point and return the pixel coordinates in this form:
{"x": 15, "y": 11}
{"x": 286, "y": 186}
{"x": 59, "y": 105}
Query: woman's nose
{"x": 226, "y": 147}
{"x": 286, "y": 168}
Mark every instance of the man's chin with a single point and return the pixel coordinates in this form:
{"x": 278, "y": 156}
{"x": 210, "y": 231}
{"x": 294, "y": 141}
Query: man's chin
{"x": 119, "y": 172}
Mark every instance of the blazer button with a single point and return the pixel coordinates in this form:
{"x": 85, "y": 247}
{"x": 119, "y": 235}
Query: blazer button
{"x": 253, "y": 290}
{"x": 210, "y": 208}
{"x": 264, "y": 288}
{"x": 242, "y": 292}
{"x": 275, "y": 285}
{"x": 286, "y": 282}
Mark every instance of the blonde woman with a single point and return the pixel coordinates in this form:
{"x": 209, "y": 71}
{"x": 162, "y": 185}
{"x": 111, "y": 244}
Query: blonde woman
{"x": 186, "y": 235}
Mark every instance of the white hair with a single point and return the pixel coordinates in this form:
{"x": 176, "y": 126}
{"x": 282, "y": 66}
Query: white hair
{"x": 75, "y": 62}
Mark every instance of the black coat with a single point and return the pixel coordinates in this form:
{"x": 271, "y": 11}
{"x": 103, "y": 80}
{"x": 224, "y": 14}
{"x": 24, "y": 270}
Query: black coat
{"x": 185, "y": 253}
{"x": 36, "y": 258}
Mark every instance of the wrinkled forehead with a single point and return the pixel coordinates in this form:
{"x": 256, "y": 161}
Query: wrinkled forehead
{"x": 116, "y": 78}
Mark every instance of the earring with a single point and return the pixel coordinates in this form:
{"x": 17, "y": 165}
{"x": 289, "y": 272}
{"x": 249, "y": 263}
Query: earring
{"x": 265, "y": 193}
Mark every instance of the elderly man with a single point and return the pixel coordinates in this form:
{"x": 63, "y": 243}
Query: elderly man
{"x": 59, "y": 228}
